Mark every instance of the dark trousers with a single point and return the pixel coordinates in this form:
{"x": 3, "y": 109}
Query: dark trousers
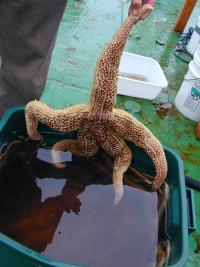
{"x": 28, "y": 30}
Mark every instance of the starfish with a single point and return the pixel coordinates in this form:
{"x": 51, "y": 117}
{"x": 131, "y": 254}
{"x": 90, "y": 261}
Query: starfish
{"x": 99, "y": 124}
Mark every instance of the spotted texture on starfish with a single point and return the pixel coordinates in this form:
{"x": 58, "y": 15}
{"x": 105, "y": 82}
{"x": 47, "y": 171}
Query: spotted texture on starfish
{"x": 134, "y": 131}
{"x": 98, "y": 124}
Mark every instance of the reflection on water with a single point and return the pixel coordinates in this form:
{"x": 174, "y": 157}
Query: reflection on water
{"x": 68, "y": 214}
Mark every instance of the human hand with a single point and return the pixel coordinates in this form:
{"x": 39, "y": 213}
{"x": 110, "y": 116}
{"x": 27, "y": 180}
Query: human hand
{"x": 137, "y": 4}
{"x": 69, "y": 197}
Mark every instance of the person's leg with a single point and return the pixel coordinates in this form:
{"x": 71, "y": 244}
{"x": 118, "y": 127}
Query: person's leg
{"x": 28, "y": 30}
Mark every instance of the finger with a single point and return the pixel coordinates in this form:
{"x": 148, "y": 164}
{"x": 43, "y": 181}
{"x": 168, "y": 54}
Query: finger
{"x": 135, "y": 4}
{"x": 145, "y": 10}
{"x": 146, "y": 14}
{"x": 150, "y": 2}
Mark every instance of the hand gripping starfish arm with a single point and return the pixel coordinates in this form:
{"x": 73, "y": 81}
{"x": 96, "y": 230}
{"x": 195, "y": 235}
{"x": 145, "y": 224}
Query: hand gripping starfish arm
{"x": 99, "y": 124}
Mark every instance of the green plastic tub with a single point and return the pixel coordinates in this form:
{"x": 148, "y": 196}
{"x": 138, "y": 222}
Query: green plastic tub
{"x": 13, "y": 254}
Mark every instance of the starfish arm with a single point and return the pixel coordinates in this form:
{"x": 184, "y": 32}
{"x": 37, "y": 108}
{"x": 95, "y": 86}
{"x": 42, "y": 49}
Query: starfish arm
{"x": 121, "y": 165}
{"x": 63, "y": 145}
{"x": 64, "y": 120}
{"x": 106, "y": 74}
{"x": 164, "y": 196}
{"x": 85, "y": 146}
{"x": 116, "y": 148}
{"x": 134, "y": 131}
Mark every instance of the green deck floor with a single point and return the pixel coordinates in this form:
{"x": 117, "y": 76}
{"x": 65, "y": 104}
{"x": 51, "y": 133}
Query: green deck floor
{"x": 86, "y": 26}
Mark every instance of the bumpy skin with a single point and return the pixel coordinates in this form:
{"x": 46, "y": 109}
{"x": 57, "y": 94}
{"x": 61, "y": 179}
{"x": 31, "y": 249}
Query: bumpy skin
{"x": 98, "y": 123}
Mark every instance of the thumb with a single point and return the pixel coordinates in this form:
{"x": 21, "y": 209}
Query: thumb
{"x": 145, "y": 9}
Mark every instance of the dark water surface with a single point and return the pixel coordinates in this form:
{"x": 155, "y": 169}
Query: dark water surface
{"x": 68, "y": 214}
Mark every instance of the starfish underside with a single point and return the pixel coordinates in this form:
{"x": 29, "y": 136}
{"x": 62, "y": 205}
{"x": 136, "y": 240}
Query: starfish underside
{"x": 98, "y": 124}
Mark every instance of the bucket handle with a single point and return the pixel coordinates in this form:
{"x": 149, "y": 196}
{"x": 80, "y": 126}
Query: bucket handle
{"x": 191, "y": 210}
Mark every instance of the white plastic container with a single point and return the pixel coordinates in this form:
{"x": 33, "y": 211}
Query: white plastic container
{"x": 140, "y": 77}
{"x": 195, "y": 39}
{"x": 188, "y": 98}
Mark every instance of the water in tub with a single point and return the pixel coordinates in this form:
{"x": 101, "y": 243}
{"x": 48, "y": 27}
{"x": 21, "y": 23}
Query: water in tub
{"x": 68, "y": 214}
{"x": 134, "y": 76}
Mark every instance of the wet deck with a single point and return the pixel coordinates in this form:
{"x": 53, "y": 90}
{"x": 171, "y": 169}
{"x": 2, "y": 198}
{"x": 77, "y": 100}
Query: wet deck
{"x": 86, "y": 26}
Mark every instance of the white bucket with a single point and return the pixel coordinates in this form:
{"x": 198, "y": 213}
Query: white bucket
{"x": 197, "y": 58}
{"x": 188, "y": 98}
{"x": 195, "y": 39}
